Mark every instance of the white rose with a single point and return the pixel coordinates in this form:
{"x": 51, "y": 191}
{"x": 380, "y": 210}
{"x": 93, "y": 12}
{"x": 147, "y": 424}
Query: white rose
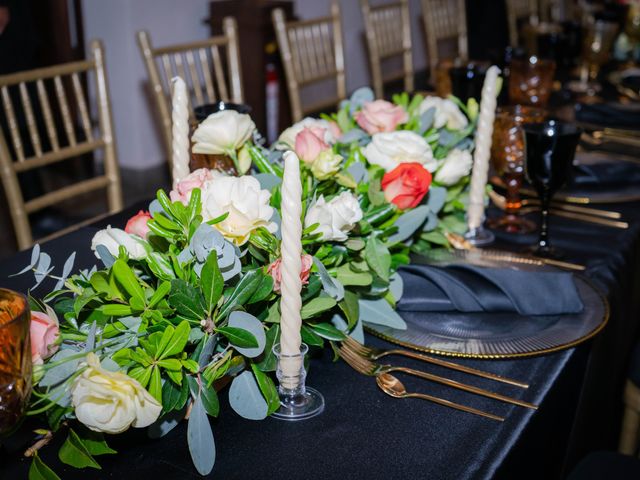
{"x": 457, "y": 165}
{"x": 447, "y": 113}
{"x": 336, "y": 217}
{"x": 111, "y": 402}
{"x": 388, "y": 150}
{"x": 287, "y": 139}
{"x": 222, "y": 132}
{"x": 326, "y": 165}
{"x": 244, "y": 200}
{"x": 112, "y": 238}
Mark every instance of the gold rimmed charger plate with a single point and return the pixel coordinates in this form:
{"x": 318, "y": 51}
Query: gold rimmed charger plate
{"x": 497, "y": 335}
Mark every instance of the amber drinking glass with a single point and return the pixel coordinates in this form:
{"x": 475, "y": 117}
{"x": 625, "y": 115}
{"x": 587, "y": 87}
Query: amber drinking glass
{"x": 531, "y": 81}
{"x": 15, "y": 358}
{"x": 597, "y": 44}
{"x": 507, "y": 156}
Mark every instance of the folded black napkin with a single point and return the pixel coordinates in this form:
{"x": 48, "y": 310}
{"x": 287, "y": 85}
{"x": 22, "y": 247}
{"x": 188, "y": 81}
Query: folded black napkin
{"x": 468, "y": 288}
{"x": 608, "y": 115}
{"x": 609, "y": 174}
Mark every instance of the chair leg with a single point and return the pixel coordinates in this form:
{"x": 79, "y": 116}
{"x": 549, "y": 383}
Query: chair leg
{"x": 631, "y": 420}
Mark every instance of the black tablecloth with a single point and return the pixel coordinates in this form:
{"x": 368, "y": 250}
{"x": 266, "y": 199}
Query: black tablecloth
{"x": 366, "y": 434}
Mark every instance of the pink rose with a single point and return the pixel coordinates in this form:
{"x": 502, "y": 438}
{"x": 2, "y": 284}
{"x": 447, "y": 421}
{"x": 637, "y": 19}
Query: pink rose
{"x": 274, "y": 271}
{"x": 381, "y": 116}
{"x": 309, "y": 143}
{"x": 138, "y": 224}
{"x": 44, "y": 332}
{"x": 196, "y": 179}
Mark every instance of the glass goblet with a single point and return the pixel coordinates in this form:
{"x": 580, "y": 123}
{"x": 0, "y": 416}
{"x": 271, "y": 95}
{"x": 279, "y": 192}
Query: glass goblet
{"x": 15, "y": 358}
{"x": 531, "y": 81}
{"x": 550, "y": 148}
{"x": 507, "y": 156}
{"x": 597, "y": 44}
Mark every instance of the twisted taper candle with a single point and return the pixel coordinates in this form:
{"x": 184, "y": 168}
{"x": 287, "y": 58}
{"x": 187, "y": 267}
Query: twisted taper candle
{"x": 291, "y": 250}
{"x": 181, "y": 147}
{"x": 484, "y": 133}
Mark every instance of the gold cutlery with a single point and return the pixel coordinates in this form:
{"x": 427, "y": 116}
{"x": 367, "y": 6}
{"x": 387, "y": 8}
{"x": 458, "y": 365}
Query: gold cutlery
{"x": 395, "y": 388}
{"x": 370, "y": 368}
{"x": 598, "y": 138}
{"x": 501, "y": 202}
{"x": 376, "y": 353}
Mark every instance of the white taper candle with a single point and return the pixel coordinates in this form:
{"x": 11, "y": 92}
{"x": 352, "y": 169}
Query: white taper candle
{"x": 291, "y": 266}
{"x": 484, "y": 133}
{"x": 181, "y": 148}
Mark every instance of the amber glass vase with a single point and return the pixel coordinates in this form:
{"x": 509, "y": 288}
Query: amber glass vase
{"x": 531, "y": 81}
{"x": 15, "y": 359}
{"x": 507, "y": 156}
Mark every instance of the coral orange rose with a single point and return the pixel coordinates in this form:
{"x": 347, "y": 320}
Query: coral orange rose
{"x": 406, "y": 185}
{"x": 138, "y": 224}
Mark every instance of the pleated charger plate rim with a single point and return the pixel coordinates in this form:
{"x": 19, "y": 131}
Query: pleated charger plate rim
{"x": 567, "y": 332}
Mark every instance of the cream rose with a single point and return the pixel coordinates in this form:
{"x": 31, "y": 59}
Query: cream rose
{"x": 326, "y": 165}
{"x": 457, "y": 165}
{"x": 447, "y": 113}
{"x": 223, "y": 132}
{"x": 388, "y": 150}
{"x": 111, "y": 402}
{"x": 335, "y": 218}
{"x": 287, "y": 139}
{"x": 244, "y": 200}
{"x": 112, "y": 238}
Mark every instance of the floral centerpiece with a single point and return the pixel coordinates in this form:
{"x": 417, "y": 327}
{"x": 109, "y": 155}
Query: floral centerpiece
{"x": 185, "y": 299}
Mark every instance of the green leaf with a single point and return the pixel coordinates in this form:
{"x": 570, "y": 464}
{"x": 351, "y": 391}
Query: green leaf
{"x": 251, "y": 324}
{"x": 187, "y": 300}
{"x": 409, "y": 222}
{"x": 263, "y": 290}
{"x": 328, "y": 331}
{"x": 348, "y": 276}
{"x": 155, "y": 384}
{"x": 239, "y": 337}
{"x": 170, "y": 364}
{"x": 210, "y": 400}
{"x": 268, "y": 389}
{"x": 350, "y": 308}
{"x": 379, "y": 311}
{"x": 175, "y": 376}
{"x": 378, "y": 257}
{"x": 211, "y": 281}
{"x": 95, "y": 443}
{"x": 73, "y": 452}
{"x": 317, "y": 305}
{"x": 310, "y": 337}
{"x": 40, "y": 471}
{"x": 243, "y": 292}
{"x": 115, "y": 310}
{"x": 174, "y": 396}
{"x": 125, "y": 277}
{"x": 141, "y": 374}
{"x": 160, "y": 293}
{"x": 270, "y": 361}
{"x": 177, "y": 342}
{"x": 100, "y": 283}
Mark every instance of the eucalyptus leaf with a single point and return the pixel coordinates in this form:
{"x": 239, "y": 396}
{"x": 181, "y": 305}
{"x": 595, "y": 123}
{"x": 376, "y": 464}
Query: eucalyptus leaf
{"x": 409, "y": 222}
{"x": 166, "y": 423}
{"x": 105, "y": 255}
{"x": 352, "y": 136}
{"x": 246, "y": 399}
{"x": 379, "y": 312}
{"x": 251, "y": 324}
{"x": 396, "y": 286}
{"x": 436, "y": 198}
{"x": 431, "y": 223}
{"x": 358, "y": 98}
{"x": 58, "y": 374}
{"x": 358, "y": 171}
{"x": 268, "y": 181}
{"x": 331, "y": 286}
{"x": 200, "y": 439}
{"x": 91, "y": 338}
{"x": 426, "y": 120}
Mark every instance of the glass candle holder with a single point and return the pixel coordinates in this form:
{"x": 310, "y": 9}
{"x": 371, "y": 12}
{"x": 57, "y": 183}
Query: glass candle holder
{"x": 531, "y": 81}
{"x": 297, "y": 401}
{"x": 15, "y": 358}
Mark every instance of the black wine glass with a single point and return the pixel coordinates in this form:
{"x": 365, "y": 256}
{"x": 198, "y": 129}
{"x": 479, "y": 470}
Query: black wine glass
{"x": 550, "y": 148}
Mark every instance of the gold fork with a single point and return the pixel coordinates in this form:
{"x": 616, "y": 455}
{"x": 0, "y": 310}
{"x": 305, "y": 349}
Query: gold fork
{"x": 370, "y": 368}
{"x": 376, "y": 354}
{"x": 358, "y": 367}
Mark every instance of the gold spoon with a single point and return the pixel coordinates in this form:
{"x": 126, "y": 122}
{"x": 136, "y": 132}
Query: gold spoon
{"x": 393, "y": 387}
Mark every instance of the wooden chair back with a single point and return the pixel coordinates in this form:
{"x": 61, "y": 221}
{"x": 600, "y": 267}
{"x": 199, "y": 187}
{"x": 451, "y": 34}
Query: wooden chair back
{"x": 58, "y": 139}
{"x": 444, "y": 20}
{"x": 388, "y": 33}
{"x": 518, "y": 10}
{"x": 312, "y": 53}
{"x": 211, "y": 75}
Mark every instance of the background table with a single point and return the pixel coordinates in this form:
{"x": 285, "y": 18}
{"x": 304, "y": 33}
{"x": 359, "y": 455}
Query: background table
{"x": 366, "y": 434}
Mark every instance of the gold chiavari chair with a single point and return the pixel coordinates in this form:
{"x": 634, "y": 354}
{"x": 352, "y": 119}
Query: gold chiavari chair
{"x": 201, "y": 66}
{"x": 444, "y": 20}
{"x": 517, "y": 11}
{"x": 30, "y": 150}
{"x": 388, "y": 33}
{"x": 312, "y": 53}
